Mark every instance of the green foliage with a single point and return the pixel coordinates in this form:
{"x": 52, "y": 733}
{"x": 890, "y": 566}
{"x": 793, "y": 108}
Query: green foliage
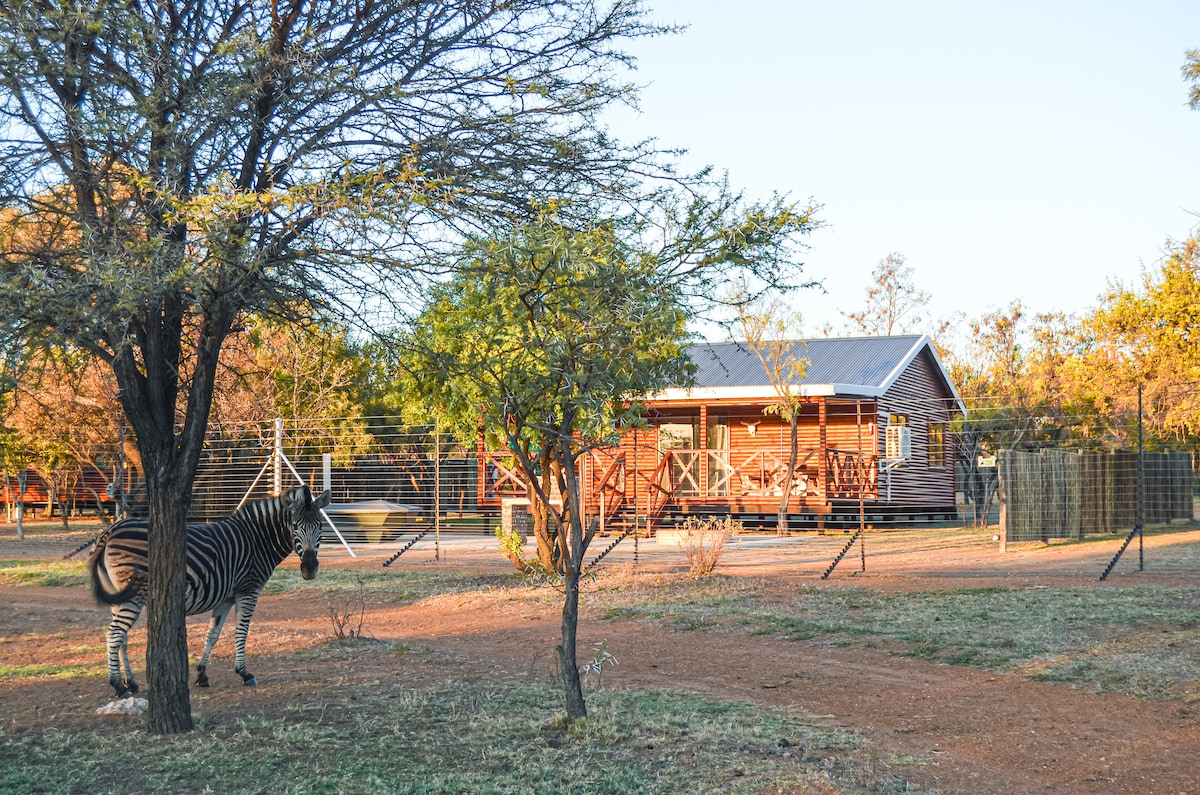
{"x": 553, "y": 330}
{"x": 512, "y": 546}
{"x": 1151, "y": 337}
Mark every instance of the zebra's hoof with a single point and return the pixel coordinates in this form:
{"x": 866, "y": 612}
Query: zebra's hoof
{"x": 248, "y": 679}
{"x": 133, "y": 688}
{"x": 201, "y": 676}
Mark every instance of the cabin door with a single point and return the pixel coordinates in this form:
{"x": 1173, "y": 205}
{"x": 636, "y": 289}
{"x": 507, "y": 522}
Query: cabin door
{"x": 679, "y": 441}
{"x": 719, "y": 471}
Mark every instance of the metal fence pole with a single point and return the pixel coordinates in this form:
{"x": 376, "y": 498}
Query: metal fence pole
{"x": 1141, "y": 486}
{"x": 278, "y": 455}
{"x": 437, "y": 490}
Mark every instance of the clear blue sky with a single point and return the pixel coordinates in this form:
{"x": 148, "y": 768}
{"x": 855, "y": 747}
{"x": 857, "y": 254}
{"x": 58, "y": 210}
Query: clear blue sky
{"x": 1018, "y": 150}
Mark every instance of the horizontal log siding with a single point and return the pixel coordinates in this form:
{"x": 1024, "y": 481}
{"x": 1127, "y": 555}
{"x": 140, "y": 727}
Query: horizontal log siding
{"x": 919, "y": 395}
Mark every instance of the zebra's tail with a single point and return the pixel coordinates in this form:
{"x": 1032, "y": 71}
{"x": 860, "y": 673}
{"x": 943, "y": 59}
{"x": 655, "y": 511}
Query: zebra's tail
{"x": 79, "y": 549}
{"x": 104, "y": 588}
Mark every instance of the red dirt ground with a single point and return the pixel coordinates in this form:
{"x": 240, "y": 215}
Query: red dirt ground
{"x": 949, "y": 729}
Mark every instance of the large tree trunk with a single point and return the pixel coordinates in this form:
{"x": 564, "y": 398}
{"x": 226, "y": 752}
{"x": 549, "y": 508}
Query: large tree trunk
{"x": 169, "y": 465}
{"x": 166, "y": 637}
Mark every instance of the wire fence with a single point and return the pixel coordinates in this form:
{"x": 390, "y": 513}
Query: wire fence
{"x": 390, "y": 480}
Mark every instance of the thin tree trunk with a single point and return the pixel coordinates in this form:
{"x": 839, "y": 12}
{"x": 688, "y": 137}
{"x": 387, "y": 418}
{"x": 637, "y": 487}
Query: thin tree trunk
{"x": 22, "y": 486}
{"x": 786, "y": 487}
{"x": 572, "y": 554}
{"x": 541, "y": 525}
{"x": 62, "y": 503}
{"x": 567, "y": 658}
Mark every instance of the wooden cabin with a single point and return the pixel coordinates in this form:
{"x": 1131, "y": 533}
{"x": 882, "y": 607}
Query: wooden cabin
{"x": 873, "y": 438}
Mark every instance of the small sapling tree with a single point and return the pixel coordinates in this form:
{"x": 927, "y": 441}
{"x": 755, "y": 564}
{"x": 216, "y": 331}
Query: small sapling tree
{"x": 550, "y": 336}
{"x": 772, "y": 333}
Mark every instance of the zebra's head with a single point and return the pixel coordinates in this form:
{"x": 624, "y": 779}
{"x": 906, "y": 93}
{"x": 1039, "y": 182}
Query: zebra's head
{"x": 304, "y": 516}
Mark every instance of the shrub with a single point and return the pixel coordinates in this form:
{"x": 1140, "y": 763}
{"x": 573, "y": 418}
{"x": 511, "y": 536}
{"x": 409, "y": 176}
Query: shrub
{"x": 704, "y": 542}
{"x": 348, "y": 610}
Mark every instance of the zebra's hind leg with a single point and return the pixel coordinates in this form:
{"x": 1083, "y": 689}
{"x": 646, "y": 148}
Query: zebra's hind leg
{"x": 120, "y": 672}
{"x": 245, "y": 610}
{"x": 214, "y": 631}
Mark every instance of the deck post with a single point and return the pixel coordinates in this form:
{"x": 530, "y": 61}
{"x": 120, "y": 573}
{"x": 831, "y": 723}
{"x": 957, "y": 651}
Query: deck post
{"x": 822, "y": 460}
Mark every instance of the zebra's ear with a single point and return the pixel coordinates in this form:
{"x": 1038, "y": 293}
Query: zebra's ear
{"x": 323, "y": 499}
{"x": 292, "y": 498}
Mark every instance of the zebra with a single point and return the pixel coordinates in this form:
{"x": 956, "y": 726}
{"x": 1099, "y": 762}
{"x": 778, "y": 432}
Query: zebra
{"x": 228, "y": 563}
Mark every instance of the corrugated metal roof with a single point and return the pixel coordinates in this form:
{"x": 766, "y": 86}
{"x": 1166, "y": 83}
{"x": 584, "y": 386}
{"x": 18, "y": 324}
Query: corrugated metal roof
{"x": 869, "y": 362}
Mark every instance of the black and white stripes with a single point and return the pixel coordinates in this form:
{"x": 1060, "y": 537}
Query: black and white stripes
{"x": 228, "y": 563}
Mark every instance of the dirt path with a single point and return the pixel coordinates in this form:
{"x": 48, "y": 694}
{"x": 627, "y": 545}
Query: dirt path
{"x": 949, "y": 729}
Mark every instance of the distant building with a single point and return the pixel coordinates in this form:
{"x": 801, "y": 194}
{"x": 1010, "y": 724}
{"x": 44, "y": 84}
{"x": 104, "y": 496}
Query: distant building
{"x": 874, "y": 430}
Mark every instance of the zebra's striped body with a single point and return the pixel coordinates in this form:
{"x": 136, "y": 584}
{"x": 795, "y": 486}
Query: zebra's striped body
{"x": 228, "y": 563}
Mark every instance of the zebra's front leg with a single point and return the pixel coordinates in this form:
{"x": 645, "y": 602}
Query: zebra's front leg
{"x": 214, "y": 631}
{"x": 245, "y": 610}
{"x": 120, "y": 672}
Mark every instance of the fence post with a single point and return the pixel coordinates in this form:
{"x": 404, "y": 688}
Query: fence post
{"x": 437, "y": 490}
{"x": 278, "y": 455}
{"x": 1141, "y": 487}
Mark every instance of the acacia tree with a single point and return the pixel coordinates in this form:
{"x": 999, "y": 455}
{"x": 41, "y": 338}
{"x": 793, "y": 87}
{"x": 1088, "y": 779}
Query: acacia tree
{"x": 552, "y": 335}
{"x": 1147, "y": 337}
{"x": 168, "y": 168}
{"x": 15, "y": 458}
{"x": 894, "y": 302}
{"x": 65, "y": 405}
{"x": 771, "y": 332}
{"x": 300, "y": 371}
{"x": 1010, "y": 376}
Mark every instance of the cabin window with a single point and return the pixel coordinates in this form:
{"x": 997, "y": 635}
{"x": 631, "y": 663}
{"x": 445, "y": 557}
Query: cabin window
{"x": 937, "y": 444}
{"x": 898, "y": 441}
{"x": 677, "y": 436}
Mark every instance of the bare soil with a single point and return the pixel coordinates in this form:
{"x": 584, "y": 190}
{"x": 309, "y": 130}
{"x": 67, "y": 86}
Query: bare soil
{"x": 945, "y": 728}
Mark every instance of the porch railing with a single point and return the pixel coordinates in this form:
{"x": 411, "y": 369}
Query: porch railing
{"x": 851, "y": 475}
{"x": 725, "y": 474}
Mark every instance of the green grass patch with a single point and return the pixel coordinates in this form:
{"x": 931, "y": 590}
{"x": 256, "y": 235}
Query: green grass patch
{"x": 1141, "y": 641}
{"x": 398, "y": 584}
{"x": 64, "y": 574}
{"x": 72, "y": 671}
{"x": 472, "y": 737}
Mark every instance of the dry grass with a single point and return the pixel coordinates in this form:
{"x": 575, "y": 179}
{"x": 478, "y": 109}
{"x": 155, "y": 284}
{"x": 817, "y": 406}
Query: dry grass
{"x": 704, "y": 542}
